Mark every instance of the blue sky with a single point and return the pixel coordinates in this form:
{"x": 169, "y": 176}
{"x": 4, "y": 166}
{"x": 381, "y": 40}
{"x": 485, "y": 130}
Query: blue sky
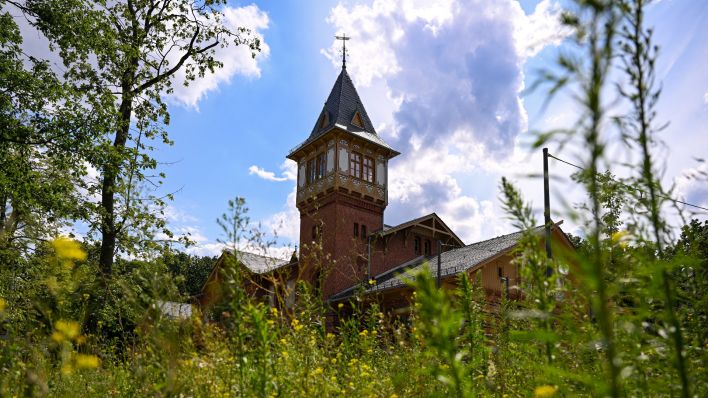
{"x": 441, "y": 81}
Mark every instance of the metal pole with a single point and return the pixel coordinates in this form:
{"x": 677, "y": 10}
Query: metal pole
{"x": 547, "y": 209}
{"x": 546, "y": 203}
{"x": 439, "y": 253}
{"x": 368, "y": 243}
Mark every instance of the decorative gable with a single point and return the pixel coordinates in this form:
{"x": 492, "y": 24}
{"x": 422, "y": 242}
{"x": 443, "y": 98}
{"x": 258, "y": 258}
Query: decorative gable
{"x": 324, "y": 120}
{"x": 357, "y": 120}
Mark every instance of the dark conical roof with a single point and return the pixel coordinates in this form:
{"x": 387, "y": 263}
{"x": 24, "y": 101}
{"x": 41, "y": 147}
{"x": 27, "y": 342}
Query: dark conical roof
{"x": 341, "y": 110}
{"x": 341, "y": 106}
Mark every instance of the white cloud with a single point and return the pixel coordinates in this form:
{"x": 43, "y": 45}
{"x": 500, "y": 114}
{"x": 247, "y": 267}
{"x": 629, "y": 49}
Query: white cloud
{"x": 288, "y": 167}
{"x": 692, "y": 185}
{"x": 266, "y": 175}
{"x": 705, "y": 98}
{"x": 237, "y": 60}
{"x": 286, "y": 223}
{"x": 445, "y": 78}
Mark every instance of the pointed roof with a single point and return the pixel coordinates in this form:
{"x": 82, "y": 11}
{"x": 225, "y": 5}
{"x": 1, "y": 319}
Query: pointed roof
{"x": 341, "y": 108}
{"x": 344, "y": 109}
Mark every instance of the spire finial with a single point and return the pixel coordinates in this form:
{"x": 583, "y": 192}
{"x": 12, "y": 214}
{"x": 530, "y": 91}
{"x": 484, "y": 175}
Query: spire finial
{"x": 344, "y": 39}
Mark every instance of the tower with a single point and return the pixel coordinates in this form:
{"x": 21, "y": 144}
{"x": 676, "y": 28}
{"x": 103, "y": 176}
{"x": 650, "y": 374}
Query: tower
{"x": 342, "y": 188}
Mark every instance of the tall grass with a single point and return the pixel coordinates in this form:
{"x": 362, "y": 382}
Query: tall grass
{"x": 619, "y": 316}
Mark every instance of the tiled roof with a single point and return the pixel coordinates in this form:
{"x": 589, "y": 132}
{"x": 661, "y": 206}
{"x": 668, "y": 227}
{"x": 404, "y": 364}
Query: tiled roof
{"x": 341, "y": 106}
{"x": 451, "y": 262}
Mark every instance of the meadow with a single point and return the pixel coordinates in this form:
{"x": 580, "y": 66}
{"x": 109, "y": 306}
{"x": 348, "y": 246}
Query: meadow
{"x": 622, "y": 315}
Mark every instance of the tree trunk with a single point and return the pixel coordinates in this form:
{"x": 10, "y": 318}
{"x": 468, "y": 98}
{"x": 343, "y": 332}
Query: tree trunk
{"x": 109, "y": 232}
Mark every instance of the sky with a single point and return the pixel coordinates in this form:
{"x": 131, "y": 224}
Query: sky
{"x": 443, "y": 82}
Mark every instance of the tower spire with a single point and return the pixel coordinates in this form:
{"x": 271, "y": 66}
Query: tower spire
{"x": 344, "y": 39}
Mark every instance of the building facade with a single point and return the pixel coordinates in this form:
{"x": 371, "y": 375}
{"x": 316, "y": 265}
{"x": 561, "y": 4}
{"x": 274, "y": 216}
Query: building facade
{"x": 345, "y": 246}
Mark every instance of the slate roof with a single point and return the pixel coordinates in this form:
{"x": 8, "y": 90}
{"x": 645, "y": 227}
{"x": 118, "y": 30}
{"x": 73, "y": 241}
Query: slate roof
{"x": 343, "y": 102}
{"x": 259, "y": 264}
{"x": 341, "y": 106}
{"x": 451, "y": 262}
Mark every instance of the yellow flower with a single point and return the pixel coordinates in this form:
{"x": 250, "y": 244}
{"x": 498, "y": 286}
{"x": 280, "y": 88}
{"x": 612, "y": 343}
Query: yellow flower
{"x": 283, "y": 341}
{"x": 372, "y": 282}
{"x": 67, "y": 329}
{"x": 364, "y": 333}
{"x": 393, "y": 396}
{"x": 296, "y": 324}
{"x": 544, "y": 391}
{"x": 270, "y": 322}
{"x": 66, "y": 369}
{"x": 285, "y": 354}
{"x": 68, "y": 249}
{"x": 621, "y": 238}
{"x": 3, "y": 304}
{"x": 57, "y": 337}
{"x": 274, "y": 311}
{"x": 330, "y": 336}
{"x": 317, "y": 371}
{"x": 86, "y": 361}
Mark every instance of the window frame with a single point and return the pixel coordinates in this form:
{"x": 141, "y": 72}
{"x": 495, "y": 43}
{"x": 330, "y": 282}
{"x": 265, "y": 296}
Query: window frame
{"x": 355, "y": 164}
{"x": 368, "y": 170}
{"x": 416, "y": 245}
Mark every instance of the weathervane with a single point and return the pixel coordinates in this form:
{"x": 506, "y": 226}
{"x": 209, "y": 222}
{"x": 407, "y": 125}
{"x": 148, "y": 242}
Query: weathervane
{"x": 344, "y": 39}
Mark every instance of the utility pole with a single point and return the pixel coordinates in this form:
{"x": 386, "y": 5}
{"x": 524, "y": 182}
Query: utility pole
{"x": 546, "y": 203}
{"x": 438, "y": 279}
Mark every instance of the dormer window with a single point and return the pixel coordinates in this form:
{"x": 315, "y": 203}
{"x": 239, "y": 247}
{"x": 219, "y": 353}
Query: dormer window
{"x": 357, "y": 120}
{"x": 324, "y": 120}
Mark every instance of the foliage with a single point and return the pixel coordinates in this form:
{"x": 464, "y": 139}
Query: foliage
{"x": 623, "y": 315}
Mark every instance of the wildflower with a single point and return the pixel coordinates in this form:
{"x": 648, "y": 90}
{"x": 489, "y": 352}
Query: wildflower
{"x": 333, "y": 379}
{"x": 67, "y": 369}
{"x": 372, "y": 282}
{"x": 68, "y": 249}
{"x": 364, "y": 333}
{"x": 544, "y": 391}
{"x": 283, "y": 341}
{"x": 330, "y": 336}
{"x": 340, "y": 305}
{"x": 86, "y": 361}
{"x": 3, "y": 304}
{"x": 66, "y": 330}
{"x": 393, "y": 396}
{"x": 285, "y": 354}
{"x": 270, "y": 322}
{"x": 620, "y": 237}
{"x": 296, "y": 325}
{"x": 274, "y": 311}
{"x": 317, "y": 371}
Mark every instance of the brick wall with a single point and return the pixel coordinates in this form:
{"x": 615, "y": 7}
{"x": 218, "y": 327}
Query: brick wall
{"x": 343, "y": 255}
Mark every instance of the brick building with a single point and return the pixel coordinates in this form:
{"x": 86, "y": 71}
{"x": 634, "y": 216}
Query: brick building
{"x": 342, "y": 192}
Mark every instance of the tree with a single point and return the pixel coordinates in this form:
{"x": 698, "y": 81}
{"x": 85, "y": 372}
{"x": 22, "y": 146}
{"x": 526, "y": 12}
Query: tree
{"x": 125, "y": 55}
{"x": 43, "y": 130}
